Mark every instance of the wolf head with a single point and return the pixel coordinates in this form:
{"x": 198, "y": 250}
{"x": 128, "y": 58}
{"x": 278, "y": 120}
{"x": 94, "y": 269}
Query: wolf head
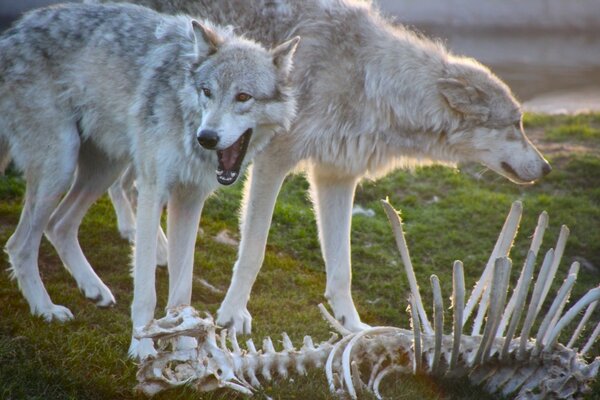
{"x": 244, "y": 96}
{"x": 490, "y": 130}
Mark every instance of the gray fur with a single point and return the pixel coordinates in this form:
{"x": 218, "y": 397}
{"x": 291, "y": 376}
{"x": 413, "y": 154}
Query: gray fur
{"x": 87, "y": 89}
{"x": 372, "y": 97}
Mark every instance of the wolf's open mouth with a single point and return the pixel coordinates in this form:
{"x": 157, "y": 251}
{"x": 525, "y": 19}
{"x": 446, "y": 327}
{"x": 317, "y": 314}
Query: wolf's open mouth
{"x": 230, "y": 159}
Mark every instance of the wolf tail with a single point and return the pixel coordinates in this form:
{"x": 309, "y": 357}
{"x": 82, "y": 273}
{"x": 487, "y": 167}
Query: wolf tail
{"x": 4, "y": 154}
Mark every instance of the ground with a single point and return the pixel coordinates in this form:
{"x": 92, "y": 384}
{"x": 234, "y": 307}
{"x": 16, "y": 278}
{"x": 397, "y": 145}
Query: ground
{"x": 448, "y": 214}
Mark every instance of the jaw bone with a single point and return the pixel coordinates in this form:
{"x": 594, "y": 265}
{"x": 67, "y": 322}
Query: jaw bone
{"x": 496, "y": 354}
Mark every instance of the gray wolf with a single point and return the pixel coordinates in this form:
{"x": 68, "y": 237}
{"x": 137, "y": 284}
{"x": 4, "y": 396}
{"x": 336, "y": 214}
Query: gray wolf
{"x": 85, "y": 90}
{"x": 372, "y": 97}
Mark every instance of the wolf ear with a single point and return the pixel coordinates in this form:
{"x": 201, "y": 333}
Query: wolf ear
{"x": 207, "y": 41}
{"x": 283, "y": 55}
{"x": 465, "y": 99}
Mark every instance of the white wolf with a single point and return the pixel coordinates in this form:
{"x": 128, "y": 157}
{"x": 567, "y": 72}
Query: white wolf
{"x": 372, "y": 97}
{"x": 87, "y": 89}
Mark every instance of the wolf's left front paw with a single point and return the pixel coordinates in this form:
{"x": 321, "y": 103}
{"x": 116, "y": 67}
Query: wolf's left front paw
{"x": 235, "y": 318}
{"x": 98, "y": 292}
{"x": 346, "y": 313}
{"x": 141, "y": 349}
{"x": 356, "y": 326}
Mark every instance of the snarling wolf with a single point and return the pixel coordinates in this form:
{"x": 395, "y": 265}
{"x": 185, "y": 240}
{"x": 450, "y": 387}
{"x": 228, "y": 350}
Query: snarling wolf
{"x": 373, "y": 96}
{"x": 86, "y": 90}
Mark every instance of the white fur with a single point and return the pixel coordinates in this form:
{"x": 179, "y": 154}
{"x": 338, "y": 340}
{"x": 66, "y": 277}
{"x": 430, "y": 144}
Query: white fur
{"x": 372, "y": 97}
{"x": 96, "y": 106}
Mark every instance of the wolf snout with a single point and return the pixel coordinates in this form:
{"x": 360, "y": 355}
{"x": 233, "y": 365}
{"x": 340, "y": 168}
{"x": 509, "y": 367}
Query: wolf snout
{"x": 208, "y": 139}
{"x": 526, "y": 173}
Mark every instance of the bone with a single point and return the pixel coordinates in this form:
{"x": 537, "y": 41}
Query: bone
{"x": 498, "y": 292}
{"x": 591, "y": 296}
{"x": 501, "y": 249}
{"x": 584, "y": 320}
{"x": 416, "y": 326}
{"x": 523, "y": 368}
{"x": 458, "y": 304}
{"x": 535, "y": 300}
{"x": 396, "y": 223}
{"x": 346, "y": 355}
{"x": 536, "y": 242}
{"x": 329, "y": 364}
{"x": 438, "y": 324}
{"x": 520, "y": 298}
{"x": 574, "y": 270}
{"x": 591, "y": 340}
{"x": 558, "y": 253}
{"x": 555, "y": 311}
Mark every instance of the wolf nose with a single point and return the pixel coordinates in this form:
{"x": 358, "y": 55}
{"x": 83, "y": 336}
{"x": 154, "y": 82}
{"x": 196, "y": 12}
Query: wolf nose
{"x": 546, "y": 169}
{"x": 208, "y": 139}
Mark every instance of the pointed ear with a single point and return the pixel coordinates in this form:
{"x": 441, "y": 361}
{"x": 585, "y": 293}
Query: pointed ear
{"x": 465, "y": 99}
{"x": 283, "y": 55}
{"x": 207, "y": 41}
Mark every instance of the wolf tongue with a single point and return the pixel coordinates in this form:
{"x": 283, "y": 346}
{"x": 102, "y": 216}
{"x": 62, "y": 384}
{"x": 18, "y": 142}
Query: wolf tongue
{"x": 229, "y": 157}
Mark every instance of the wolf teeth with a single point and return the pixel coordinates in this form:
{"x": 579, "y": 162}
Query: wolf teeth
{"x": 529, "y": 368}
{"x": 231, "y": 177}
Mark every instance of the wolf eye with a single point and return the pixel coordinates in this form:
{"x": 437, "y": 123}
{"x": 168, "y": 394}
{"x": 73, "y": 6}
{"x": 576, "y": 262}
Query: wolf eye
{"x": 206, "y": 92}
{"x": 242, "y": 97}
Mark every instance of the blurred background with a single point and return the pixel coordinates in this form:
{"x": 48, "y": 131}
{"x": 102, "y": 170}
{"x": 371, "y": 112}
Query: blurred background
{"x": 548, "y": 51}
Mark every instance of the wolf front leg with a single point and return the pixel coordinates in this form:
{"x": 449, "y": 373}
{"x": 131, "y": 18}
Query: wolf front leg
{"x": 333, "y": 196}
{"x": 183, "y": 216}
{"x": 150, "y": 204}
{"x": 263, "y": 185}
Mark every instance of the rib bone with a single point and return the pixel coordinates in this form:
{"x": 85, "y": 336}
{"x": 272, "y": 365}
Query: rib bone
{"x": 527, "y": 368}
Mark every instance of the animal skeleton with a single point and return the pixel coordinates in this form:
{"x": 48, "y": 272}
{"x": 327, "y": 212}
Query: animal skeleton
{"x": 530, "y": 368}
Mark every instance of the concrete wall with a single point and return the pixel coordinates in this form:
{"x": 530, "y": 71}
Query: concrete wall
{"x": 498, "y": 14}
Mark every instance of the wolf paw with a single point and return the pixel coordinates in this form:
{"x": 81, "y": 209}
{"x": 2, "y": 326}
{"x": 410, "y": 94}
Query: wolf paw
{"x": 235, "y": 318}
{"x": 141, "y": 349}
{"x": 54, "y": 312}
{"x": 346, "y": 314}
{"x": 99, "y": 293}
{"x": 356, "y": 326}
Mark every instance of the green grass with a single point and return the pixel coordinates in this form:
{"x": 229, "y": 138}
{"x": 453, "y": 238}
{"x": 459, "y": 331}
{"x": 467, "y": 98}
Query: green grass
{"x": 447, "y": 215}
{"x": 583, "y": 127}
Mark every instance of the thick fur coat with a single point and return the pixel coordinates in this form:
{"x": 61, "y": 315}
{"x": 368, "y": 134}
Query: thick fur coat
{"x": 86, "y": 90}
{"x": 373, "y": 96}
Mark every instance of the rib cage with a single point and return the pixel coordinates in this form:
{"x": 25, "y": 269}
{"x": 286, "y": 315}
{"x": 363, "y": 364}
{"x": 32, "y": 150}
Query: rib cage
{"x": 496, "y": 353}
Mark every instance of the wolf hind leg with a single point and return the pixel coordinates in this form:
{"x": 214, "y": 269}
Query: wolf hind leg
{"x": 123, "y": 195}
{"x": 333, "y": 197}
{"x": 95, "y": 173}
{"x": 121, "y": 201}
{"x": 48, "y": 176}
